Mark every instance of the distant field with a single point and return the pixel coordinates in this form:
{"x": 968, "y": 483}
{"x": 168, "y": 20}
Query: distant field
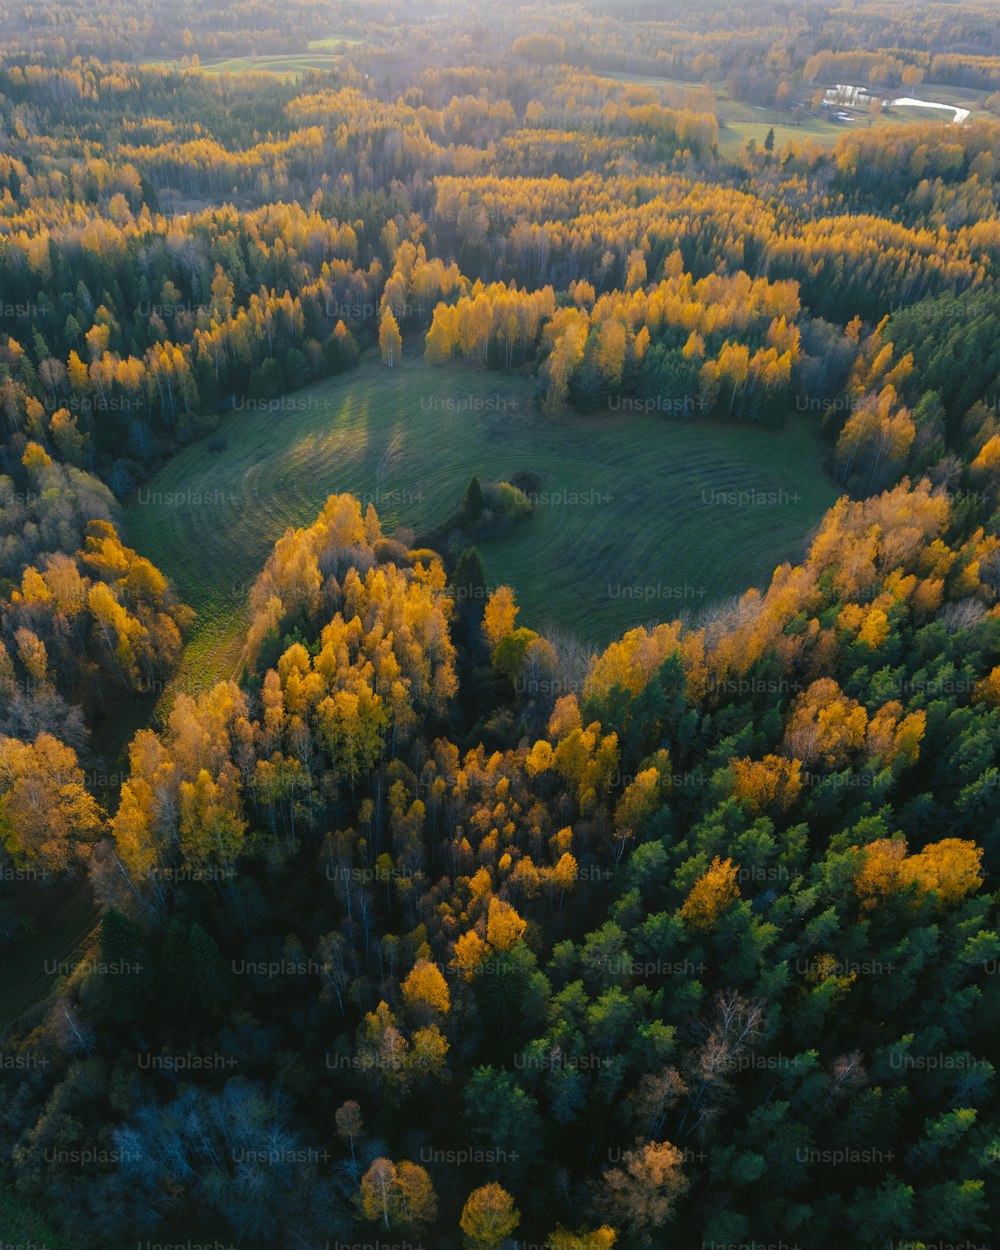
{"x": 743, "y": 121}
{"x": 739, "y": 121}
{"x": 736, "y": 133}
{"x": 282, "y": 64}
{"x": 649, "y": 80}
{"x": 331, "y": 41}
{"x": 320, "y": 54}
{"x": 627, "y": 498}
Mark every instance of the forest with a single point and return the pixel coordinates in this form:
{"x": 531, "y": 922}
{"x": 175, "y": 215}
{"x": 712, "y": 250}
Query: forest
{"x": 397, "y": 916}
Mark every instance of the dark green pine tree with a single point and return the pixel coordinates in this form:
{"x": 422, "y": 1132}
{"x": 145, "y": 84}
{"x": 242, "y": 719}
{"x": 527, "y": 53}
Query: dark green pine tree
{"x": 175, "y": 970}
{"x": 208, "y": 971}
{"x": 474, "y": 502}
{"x": 469, "y": 580}
{"x": 126, "y": 964}
{"x": 503, "y": 1118}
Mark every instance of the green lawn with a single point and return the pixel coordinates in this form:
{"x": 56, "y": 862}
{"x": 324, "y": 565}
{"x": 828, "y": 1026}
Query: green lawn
{"x": 626, "y": 500}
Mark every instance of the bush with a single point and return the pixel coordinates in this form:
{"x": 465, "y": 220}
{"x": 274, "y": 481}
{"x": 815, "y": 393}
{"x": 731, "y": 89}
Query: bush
{"x": 422, "y": 555}
{"x": 508, "y": 501}
{"x": 389, "y": 551}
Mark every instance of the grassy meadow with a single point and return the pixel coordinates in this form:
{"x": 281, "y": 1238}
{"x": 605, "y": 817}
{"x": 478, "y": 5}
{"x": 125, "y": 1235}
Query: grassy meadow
{"x": 639, "y": 516}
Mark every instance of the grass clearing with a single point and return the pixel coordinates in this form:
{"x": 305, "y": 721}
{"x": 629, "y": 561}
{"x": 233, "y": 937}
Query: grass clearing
{"x": 281, "y": 64}
{"x": 332, "y": 41}
{"x": 628, "y": 500}
{"x": 322, "y": 54}
{"x": 735, "y": 135}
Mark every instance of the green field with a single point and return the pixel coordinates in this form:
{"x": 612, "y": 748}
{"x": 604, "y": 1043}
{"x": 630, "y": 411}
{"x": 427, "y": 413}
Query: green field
{"x": 626, "y": 499}
{"x": 281, "y": 64}
{"x": 332, "y": 41}
{"x": 735, "y": 134}
{"x": 321, "y": 54}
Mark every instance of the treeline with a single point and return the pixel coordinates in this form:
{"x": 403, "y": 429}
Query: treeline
{"x": 87, "y": 625}
{"x": 116, "y": 29}
{"x": 921, "y": 398}
{"x": 597, "y": 346}
{"x": 124, "y": 348}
